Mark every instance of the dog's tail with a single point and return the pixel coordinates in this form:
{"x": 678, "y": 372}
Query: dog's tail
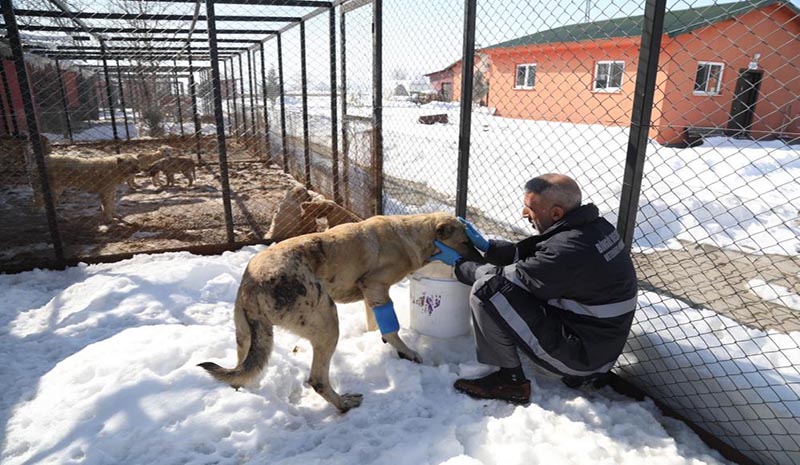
{"x": 254, "y": 343}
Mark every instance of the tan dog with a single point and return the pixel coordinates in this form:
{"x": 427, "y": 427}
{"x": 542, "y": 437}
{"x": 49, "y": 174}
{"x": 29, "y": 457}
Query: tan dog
{"x": 330, "y": 210}
{"x": 145, "y": 160}
{"x": 294, "y": 284}
{"x": 289, "y": 220}
{"x": 98, "y": 175}
{"x": 170, "y": 166}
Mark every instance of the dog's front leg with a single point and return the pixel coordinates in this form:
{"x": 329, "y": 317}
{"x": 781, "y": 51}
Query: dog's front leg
{"x": 376, "y": 296}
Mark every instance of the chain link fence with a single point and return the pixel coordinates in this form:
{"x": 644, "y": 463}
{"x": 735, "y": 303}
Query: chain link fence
{"x": 680, "y": 120}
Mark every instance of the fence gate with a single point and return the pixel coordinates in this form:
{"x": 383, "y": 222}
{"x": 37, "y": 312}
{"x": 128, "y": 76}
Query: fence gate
{"x": 357, "y": 167}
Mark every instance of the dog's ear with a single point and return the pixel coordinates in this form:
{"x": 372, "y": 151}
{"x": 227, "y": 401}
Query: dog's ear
{"x": 445, "y": 230}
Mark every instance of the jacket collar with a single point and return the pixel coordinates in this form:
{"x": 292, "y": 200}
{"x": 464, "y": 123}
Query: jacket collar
{"x": 582, "y": 215}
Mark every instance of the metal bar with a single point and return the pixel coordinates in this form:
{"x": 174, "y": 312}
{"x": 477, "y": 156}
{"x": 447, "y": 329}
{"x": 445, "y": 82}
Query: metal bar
{"x": 241, "y": 96}
{"x": 252, "y": 100}
{"x": 647, "y": 70}
{"x": 264, "y": 97}
{"x": 134, "y": 102}
{"x": 304, "y": 87}
{"x": 64, "y": 104}
{"x": 148, "y": 16}
{"x": 143, "y": 50}
{"x": 223, "y": 154}
{"x": 337, "y": 195}
{"x": 33, "y": 127}
{"x": 345, "y": 148}
{"x": 193, "y": 93}
{"x": 305, "y": 3}
{"x": 227, "y": 92}
{"x": 110, "y": 101}
{"x": 122, "y": 103}
{"x": 7, "y": 90}
{"x": 465, "y": 121}
{"x": 4, "y": 109}
{"x": 178, "y": 100}
{"x": 235, "y": 110}
{"x": 377, "y": 102}
{"x": 283, "y": 106}
{"x": 136, "y": 30}
{"x": 178, "y": 40}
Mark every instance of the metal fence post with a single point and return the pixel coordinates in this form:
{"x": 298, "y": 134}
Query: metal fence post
{"x": 283, "y": 106}
{"x": 265, "y": 98}
{"x": 33, "y": 127}
{"x": 193, "y": 93}
{"x": 7, "y": 90}
{"x": 235, "y": 109}
{"x": 465, "y": 120}
{"x": 241, "y": 95}
{"x": 640, "y": 118}
{"x": 377, "y": 102}
{"x": 304, "y": 89}
{"x": 108, "y": 95}
{"x": 3, "y": 108}
{"x": 121, "y": 102}
{"x": 343, "y": 65}
{"x": 223, "y": 154}
{"x": 337, "y": 195}
{"x": 64, "y": 104}
{"x": 227, "y": 94}
{"x": 178, "y": 95}
{"x": 250, "y": 63}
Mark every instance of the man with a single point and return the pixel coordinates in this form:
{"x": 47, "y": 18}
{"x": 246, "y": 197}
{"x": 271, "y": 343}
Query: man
{"x": 566, "y": 296}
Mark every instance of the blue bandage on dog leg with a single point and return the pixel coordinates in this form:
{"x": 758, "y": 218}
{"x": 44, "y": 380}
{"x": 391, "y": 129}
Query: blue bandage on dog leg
{"x": 386, "y": 318}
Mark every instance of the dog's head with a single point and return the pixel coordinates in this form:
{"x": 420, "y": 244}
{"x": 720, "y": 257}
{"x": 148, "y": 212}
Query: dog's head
{"x": 166, "y": 151}
{"x": 452, "y": 233}
{"x": 127, "y": 165}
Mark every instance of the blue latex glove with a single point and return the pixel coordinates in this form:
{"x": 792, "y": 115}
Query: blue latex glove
{"x": 446, "y": 254}
{"x": 477, "y": 239}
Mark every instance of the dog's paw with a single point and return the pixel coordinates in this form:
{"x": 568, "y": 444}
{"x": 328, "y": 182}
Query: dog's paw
{"x": 350, "y": 401}
{"x": 410, "y": 356}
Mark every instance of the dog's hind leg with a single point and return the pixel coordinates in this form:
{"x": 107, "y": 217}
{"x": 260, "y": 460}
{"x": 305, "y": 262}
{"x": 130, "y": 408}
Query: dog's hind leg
{"x": 321, "y": 327}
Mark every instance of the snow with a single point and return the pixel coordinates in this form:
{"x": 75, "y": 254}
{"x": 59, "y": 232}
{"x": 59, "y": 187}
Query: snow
{"x": 774, "y": 293}
{"x": 99, "y": 368}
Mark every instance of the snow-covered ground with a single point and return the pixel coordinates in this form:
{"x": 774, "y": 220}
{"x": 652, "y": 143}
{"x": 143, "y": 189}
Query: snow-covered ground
{"x": 99, "y": 368}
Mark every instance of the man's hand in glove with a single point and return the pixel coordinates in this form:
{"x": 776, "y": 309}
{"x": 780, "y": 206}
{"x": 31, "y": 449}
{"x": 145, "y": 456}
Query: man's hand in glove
{"x": 477, "y": 239}
{"x": 446, "y": 254}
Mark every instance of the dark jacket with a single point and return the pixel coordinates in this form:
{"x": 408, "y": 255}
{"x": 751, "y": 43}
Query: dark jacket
{"x": 580, "y": 271}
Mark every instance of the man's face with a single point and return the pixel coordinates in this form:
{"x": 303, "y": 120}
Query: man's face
{"x": 540, "y": 212}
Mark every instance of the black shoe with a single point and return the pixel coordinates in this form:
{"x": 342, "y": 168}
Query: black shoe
{"x": 596, "y": 381}
{"x": 495, "y": 386}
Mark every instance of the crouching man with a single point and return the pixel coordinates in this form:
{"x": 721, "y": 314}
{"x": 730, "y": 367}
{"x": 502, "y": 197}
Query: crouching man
{"x": 565, "y": 297}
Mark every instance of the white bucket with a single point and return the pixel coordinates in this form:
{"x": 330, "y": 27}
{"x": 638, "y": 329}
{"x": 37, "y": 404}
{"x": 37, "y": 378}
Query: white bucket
{"x": 439, "y": 303}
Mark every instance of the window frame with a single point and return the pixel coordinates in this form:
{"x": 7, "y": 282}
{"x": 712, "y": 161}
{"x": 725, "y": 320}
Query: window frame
{"x": 608, "y": 90}
{"x": 706, "y": 93}
{"x": 527, "y": 66}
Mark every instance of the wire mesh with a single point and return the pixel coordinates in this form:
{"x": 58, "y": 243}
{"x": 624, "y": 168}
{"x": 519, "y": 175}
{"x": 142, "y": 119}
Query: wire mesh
{"x": 284, "y": 122}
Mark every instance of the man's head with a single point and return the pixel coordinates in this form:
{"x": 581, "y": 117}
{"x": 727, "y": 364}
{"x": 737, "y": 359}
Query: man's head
{"x": 548, "y": 198}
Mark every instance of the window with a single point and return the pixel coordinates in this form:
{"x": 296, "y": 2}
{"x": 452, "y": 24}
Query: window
{"x": 526, "y": 76}
{"x": 608, "y": 76}
{"x": 708, "y": 78}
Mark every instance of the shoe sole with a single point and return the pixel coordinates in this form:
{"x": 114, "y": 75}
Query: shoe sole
{"x": 511, "y": 400}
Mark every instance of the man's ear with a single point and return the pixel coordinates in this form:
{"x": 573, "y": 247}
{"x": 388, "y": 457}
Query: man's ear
{"x": 556, "y": 213}
{"x": 445, "y": 230}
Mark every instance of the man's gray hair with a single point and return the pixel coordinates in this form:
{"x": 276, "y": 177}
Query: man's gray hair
{"x": 559, "y": 189}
